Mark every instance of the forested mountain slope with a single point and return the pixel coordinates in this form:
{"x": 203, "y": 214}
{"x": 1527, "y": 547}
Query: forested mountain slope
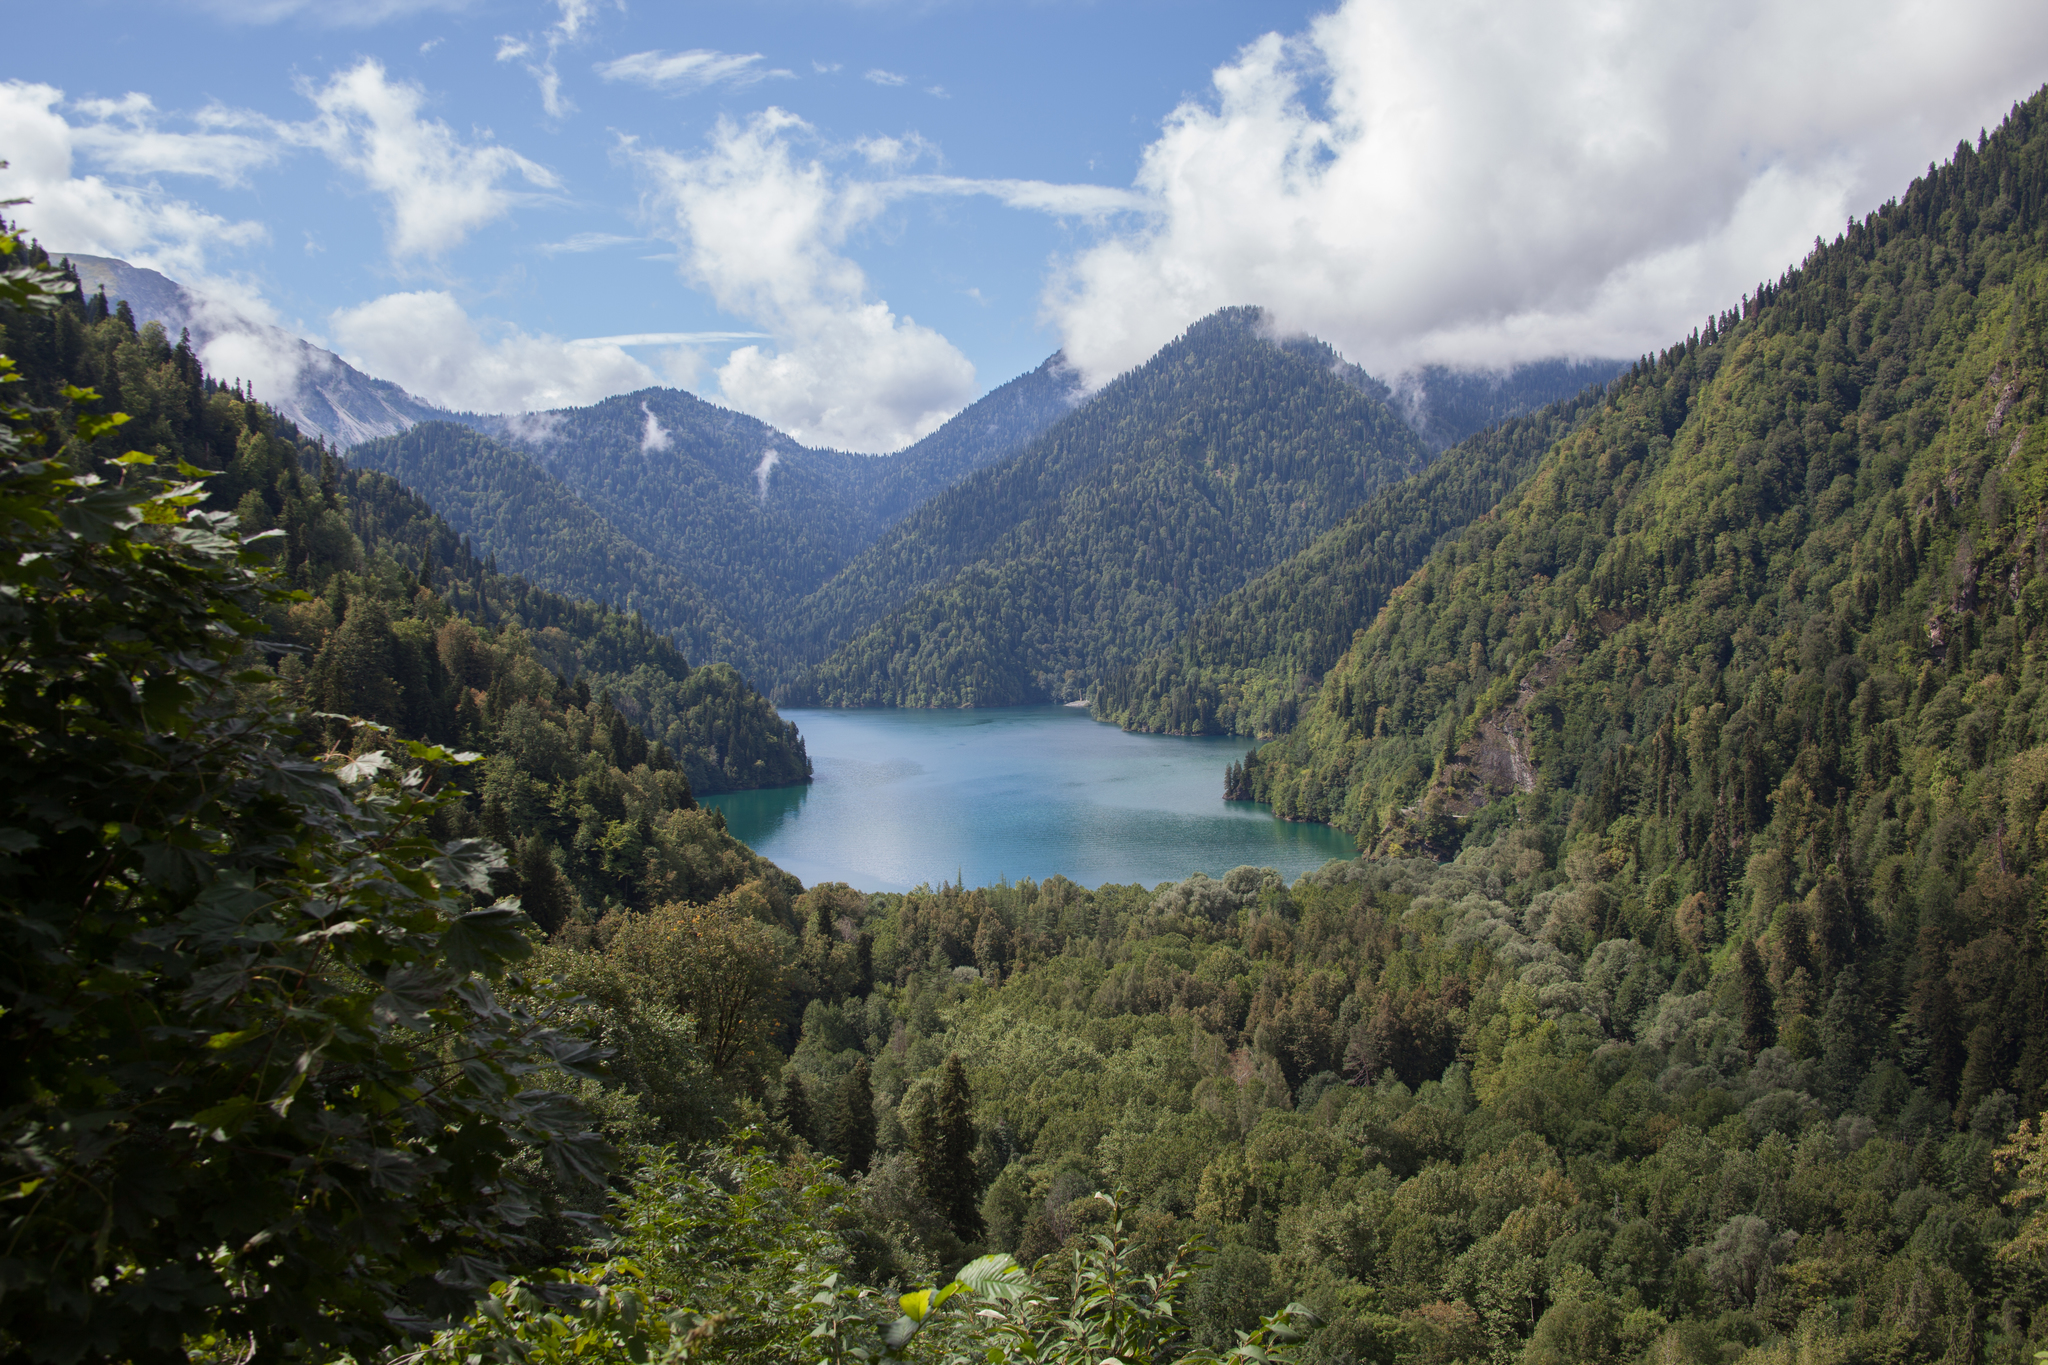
{"x": 515, "y": 511}
{"x": 1810, "y": 517}
{"x": 1245, "y": 664}
{"x": 596, "y": 730}
{"x": 710, "y": 524}
{"x": 757, "y": 520}
{"x": 1223, "y": 454}
{"x": 1446, "y": 405}
{"x": 326, "y": 397}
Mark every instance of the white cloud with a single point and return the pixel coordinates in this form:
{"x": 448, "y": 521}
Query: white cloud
{"x": 126, "y": 136}
{"x": 683, "y": 72}
{"x": 892, "y": 152}
{"x": 759, "y": 229}
{"x": 653, "y": 435}
{"x": 586, "y": 241}
{"x": 1039, "y": 196}
{"x": 138, "y": 223}
{"x": 666, "y": 338}
{"x": 1477, "y": 183}
{"x": 574, "y": 17}
{"x": 439, "y": 187}
{"x": 881, "y": 77}
{"x": 333, "y": 13}
{"x": 425, "y": 342}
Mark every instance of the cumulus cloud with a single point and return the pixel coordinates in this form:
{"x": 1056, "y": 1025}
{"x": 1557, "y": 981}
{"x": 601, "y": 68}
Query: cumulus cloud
{"x": 759, "y": 228}
{"x": 683, "y": 72}
{"x": 425, "y": 342}
{"x": 1476, "y": 184}
{"x": 127, "y": 135}
{"x": 139, "y": 223}
{"x": 881, "y": 77}
{"x": 440, "y": 188}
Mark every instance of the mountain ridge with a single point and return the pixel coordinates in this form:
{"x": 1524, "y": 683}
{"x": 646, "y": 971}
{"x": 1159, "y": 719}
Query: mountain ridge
{"x": 322, "y": 393}
{"x": 1236, "y": 445}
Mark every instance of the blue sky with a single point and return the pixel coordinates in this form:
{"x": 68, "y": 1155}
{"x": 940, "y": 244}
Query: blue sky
{"x": 851, "y": 218}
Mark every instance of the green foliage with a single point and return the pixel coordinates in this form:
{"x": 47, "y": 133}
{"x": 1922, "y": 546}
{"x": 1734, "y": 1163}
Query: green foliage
{"x": 1445, "y": 406}
{"x": 596, "y": 730}
{"x": 672, "y": 508}
{"x": 268, "y": 1044}
{"x": 730, "y": 1256}
{"x": 1448, "y": 1111}
{"x": 508, "y": 502}
{"x": 1219, "y": 457}
{"x": 941, "y": 1135}
{"x": 1247, "y": 664}
{"x": 1103, "y": 1305}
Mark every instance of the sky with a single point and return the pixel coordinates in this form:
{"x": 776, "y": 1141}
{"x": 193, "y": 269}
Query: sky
{"x": 852, "y": 217}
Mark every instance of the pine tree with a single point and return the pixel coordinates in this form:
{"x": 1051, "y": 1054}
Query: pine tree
{"x": 1758, "y": 1029}
{"x": 796, "y": 1108}
{"x": 991, "y": 945}
{"x": 943, "y": 1140}
{"x": 855, "y": 1137}
{"x": 542, "y": 890}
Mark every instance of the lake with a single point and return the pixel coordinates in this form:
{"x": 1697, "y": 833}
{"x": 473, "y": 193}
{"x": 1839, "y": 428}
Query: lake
{"x": 908, "y": 797}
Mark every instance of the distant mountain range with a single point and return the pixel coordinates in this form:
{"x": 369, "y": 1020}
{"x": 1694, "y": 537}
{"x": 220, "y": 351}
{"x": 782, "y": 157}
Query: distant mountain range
{"x": 1039, "y": 544}
{"x": 318, "y": 390}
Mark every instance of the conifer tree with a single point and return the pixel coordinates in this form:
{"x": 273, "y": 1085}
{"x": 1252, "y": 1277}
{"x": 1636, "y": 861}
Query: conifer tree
{"x": 543, "y": 893}
{"x": 796, "y": 1108}
{"x": 943, "y": 1139}
{"x": 1758, "y": 1029}
{"x": 856, "y": 1136}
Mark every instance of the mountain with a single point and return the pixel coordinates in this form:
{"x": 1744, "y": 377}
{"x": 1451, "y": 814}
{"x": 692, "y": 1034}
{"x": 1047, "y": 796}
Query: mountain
{"x": 514, "y": 510}
{"x": 315, "y": 389}
{"x": 707, "y": 522}
{"x": 1446, "y": 405}
{"x": 595, "y": 732}
{"x": 745, "y": 544}
{"x": 1223, "y": 454}
{"x": 1245, "y": 665}
{"x": 1769, "y": 614}
{"x": 756, "y": 520}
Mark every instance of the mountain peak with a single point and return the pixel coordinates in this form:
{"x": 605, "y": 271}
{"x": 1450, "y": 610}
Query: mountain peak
{"x": 324, "y": 394}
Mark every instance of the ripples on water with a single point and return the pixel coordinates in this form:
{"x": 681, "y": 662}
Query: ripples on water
{"x": 904, "y": 797}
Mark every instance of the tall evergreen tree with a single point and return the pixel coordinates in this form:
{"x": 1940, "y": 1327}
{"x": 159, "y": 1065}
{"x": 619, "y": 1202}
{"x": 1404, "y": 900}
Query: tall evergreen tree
{"x": 1758, "y": 1029}
{"x": 796, "y": 1108}
{"x": 855, "y": 1138}
{"x": 943, "y": 1141}
{"x": 543, "y": 892}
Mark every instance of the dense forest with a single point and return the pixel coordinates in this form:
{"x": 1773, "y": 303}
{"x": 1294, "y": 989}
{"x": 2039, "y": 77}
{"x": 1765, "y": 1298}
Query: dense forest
{"x": 596, "y": 730}
{"x": 1446, "y": 405}
{"x": 1245, "y": 665}
{"x": 1219, "y": 457}
{"x": 706, "y": 523}
{"x": 911, "y": 580}
{"x": 498, "y": 496}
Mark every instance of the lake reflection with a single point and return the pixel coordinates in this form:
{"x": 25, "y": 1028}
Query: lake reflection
{"x": 903, "y": 797}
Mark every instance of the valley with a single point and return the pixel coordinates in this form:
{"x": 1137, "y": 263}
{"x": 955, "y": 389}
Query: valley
{"x": 411, "y": 910}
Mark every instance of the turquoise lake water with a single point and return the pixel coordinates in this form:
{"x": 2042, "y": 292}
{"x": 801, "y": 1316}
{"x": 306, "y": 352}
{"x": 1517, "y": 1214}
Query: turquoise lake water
{"x": 903, "y": 797}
